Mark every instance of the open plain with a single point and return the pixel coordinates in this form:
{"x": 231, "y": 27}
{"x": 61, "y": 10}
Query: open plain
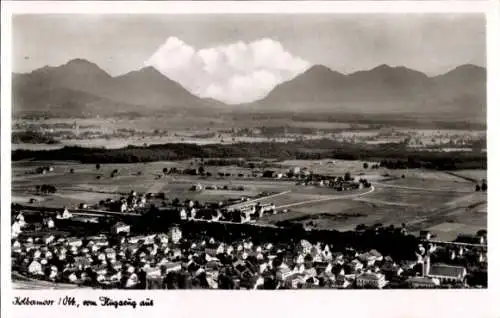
{"x": 440, "y": 202}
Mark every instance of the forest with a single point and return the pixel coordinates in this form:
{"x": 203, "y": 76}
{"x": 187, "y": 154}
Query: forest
{"x": 392, "y": 156}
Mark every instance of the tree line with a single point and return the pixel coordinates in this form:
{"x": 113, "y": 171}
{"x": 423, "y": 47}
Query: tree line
{"x": 392, "y": 156}
{"x": 32, "y": 137}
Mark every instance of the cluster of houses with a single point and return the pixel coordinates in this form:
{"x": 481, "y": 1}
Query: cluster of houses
{"x": 232, "y": 210}
{"x": 173, "y": 260}
{"x": 452, "y": 259}
{"x": 96, "y": 260}
{"x": 306, "y": 178}
{"x": 199, "y": 187}
{"x": 243, "y": 213}
{"x": 44, "y": 169}
{"x": 19, "y": 225}
{"x": 129, "y": 204}
{"x": 337, "y": 183}
{"x": 252, "y": 211}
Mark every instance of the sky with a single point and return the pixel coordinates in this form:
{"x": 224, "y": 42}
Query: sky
{"x": 240, "y": 58}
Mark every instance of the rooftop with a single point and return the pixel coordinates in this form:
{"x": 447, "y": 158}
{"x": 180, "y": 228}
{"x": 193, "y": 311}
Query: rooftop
{"x": 372, "y": 276}
{"x": 446, "y": 270}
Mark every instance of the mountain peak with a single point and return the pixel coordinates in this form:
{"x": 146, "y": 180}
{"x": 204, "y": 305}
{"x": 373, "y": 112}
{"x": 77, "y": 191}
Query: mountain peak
{"x": 468, "y": 67}
{"x": 382, "y": 67}
{"x": 148, "y": 71}
{"x": 321, "y": 69}
{"x": 386, "y": 68}
{"x": 79, "y": 61}
{"x": 465, "y": 71}
{"x": 320, "y": 72}
{"x": 473, "y": 66}
{"x": 82, "y": 66}
{"x": 82, "y": 63}
{"x": 386, "y": 72}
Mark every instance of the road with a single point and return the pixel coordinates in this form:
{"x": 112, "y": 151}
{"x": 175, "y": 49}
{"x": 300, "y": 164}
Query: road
{"x": 239, "y": 205}
{"x": 417, "y": 188}
{"x": 375, "y": 201}
{"x": 339, "y": 197}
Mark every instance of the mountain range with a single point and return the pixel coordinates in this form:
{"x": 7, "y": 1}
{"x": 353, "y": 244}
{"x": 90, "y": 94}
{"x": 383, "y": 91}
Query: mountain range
{"x": 81, "y": 88}
{"x": 460, "y": 93}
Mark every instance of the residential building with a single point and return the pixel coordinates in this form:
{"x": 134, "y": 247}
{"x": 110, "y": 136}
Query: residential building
{"x": 16, "y": 229}
{"x": 121, "y": 227}
{"x": 425, "y": 235}
{"x": 375, "y": 280}
{"x": 342, "y": 282}
{"x": 35, "y": 268}
{"x": 391, "y": 269}
{"x": 175, "y": 234}
{"x": 356, "y": 265}
{"x": 422, "y": 282}
{"x": 370, "y": 257}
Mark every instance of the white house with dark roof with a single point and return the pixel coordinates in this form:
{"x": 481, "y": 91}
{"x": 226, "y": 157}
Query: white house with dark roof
{"x": 121, "y": 227}
{"x": 175, "y": 234}
{"x": 183, "y": 214}
{"x": 425, "y": 235}
{"x": 375, "y": 280}
{"x": 76, "y": 242}
{"x": 283, "y": 272}
{"x": 48, "y": 239}
{"x": 35, "y": 268}
{"x": 342, "y": 281}
{"x": 356, "y": 265}
{"x": 391, "y": 269}
{"x": 370, "y": 257}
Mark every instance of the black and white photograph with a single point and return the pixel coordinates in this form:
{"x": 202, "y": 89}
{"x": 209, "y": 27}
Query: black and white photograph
{"x": 306, "y": 151}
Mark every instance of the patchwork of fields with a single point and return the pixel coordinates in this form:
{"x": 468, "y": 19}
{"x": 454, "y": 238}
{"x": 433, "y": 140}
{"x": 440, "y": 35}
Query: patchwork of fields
{"x": 443, "y": 203}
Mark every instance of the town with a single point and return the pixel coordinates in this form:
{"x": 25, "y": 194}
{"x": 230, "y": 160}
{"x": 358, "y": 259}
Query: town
{"x": 146, "y": 241}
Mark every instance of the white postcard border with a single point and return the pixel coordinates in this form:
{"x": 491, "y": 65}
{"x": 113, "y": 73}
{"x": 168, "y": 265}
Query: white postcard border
{"x": 393, "y": 303}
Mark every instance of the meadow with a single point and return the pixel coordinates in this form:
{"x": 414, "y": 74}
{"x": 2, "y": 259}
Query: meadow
{"x": 424, "y": 199}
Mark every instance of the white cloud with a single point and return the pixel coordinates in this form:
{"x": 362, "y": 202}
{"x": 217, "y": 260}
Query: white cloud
{"x": 234, "y": 73}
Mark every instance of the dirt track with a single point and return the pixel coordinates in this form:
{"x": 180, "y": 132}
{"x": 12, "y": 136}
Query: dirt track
{"x": 416, "y": 188}
{"x": 338, "y": 197}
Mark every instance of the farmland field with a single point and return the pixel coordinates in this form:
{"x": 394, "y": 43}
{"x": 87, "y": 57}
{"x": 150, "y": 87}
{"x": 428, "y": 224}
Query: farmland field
{"x": 443, "y": 203}
{"x": 330, "y": 167}
{"x": 412, "y": 197}
{"x": 448, "y": 231}
{"x": 477, "y": 175}
{"x": 421, "y": 174}
{"x": 83, "y": 186}
{"x": 429, "y": 185}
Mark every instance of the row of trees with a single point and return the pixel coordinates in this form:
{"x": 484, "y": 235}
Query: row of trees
{"x": 46, "y": 189}
{"x": 32, "y": 137}
{"x": 483, "y": 187}
{"x": 396, "y": 156}
{"x": 373, "y": 166}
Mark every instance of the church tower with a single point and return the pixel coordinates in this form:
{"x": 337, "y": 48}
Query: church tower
{"x": 426, "y": 265}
